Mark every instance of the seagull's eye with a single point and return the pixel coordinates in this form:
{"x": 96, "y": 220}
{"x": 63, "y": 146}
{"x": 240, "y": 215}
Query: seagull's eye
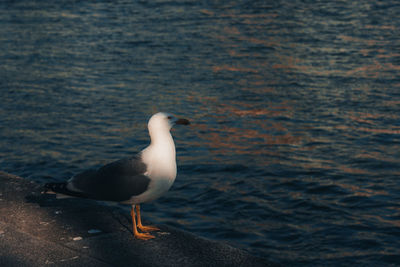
{"x": 169, "y": 117}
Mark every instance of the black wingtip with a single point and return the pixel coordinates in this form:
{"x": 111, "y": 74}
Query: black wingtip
{"x": 61, "y": 188}
{"x": 56, "y": 187}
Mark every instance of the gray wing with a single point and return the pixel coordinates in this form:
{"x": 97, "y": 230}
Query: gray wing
{"x": 117, "y": 181}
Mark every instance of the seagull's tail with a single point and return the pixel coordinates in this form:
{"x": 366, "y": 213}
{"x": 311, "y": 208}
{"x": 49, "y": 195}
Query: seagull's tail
{"x": 56, "y": 187}
{"x": 61, "y": 188}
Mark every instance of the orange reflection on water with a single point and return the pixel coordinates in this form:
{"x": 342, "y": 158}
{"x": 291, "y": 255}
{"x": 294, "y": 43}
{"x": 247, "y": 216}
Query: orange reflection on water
{"x": 370, "y": 130}
{"x": 254, "y": 131}
{"x": 368, "y": 42}
{"x": 236, "y": 53}
{"x": 289, "y": 62}
{"x": 374, "y": 70}
{"x": 228, "y": 109}
{"x": 261, "y": 16}
{"x": 363, "y": 117}
{"x": 381, "y": 27}
{"x": 371, "y": 155}
{"x": 257, "y": 41}
{"x": 384, "y": 54}
{"x": 243, "y": 141}
{"x": 234, "y": 69}
{"x": 352, "y": 170}
{"x": 232, "y": 37}
{"x": 312, "y": 163}
{"x": 370, "y": 118}
{"x": 380, "y": 131}
{"x": 392, "y": 102}
{"x": 232, "y": 30}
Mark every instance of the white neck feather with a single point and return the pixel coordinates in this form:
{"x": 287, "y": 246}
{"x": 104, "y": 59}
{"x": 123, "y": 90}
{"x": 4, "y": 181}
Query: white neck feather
{"x": 159, "y": 156}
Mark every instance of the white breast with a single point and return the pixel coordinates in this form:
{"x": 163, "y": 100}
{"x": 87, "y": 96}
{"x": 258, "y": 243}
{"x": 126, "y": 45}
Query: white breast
{"x": 160, "y": 160}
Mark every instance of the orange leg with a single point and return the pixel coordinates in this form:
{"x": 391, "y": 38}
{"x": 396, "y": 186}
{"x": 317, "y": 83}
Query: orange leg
{"x": 142, "y": 236}
{"x": 142, "y": 227}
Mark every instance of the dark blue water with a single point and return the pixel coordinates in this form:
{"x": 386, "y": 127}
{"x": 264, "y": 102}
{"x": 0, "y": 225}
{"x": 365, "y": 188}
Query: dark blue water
{"x": 294, "y": 149}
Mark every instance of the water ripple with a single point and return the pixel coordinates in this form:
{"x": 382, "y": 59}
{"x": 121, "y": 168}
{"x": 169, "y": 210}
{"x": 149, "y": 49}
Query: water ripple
{"x": 293, "y": 149}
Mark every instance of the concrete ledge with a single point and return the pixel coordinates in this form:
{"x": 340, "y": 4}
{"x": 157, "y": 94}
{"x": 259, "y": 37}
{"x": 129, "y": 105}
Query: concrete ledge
{"x": 37, "y": 229}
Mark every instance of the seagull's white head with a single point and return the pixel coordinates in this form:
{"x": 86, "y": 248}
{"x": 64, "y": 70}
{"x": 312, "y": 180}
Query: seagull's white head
{"x": 163, "y": 122}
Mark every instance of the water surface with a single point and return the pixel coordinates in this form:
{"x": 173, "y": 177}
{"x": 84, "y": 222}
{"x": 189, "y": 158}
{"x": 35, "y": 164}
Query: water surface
{"x": 293, "y": 153}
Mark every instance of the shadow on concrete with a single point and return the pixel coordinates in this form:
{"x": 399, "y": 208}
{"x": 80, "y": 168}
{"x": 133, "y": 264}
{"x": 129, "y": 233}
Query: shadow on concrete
{"x": 37, "y": 229}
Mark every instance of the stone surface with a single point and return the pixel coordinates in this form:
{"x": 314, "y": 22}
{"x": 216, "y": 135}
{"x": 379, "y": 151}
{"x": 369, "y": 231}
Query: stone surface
{"x": 37, "y": 229}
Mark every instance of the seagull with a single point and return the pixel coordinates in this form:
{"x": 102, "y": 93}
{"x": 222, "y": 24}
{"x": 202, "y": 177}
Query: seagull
{"x": 141, "y": 178}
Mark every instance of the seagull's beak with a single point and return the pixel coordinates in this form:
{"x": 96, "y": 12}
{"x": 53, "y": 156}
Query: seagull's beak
{"x": 182, "y": 122}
